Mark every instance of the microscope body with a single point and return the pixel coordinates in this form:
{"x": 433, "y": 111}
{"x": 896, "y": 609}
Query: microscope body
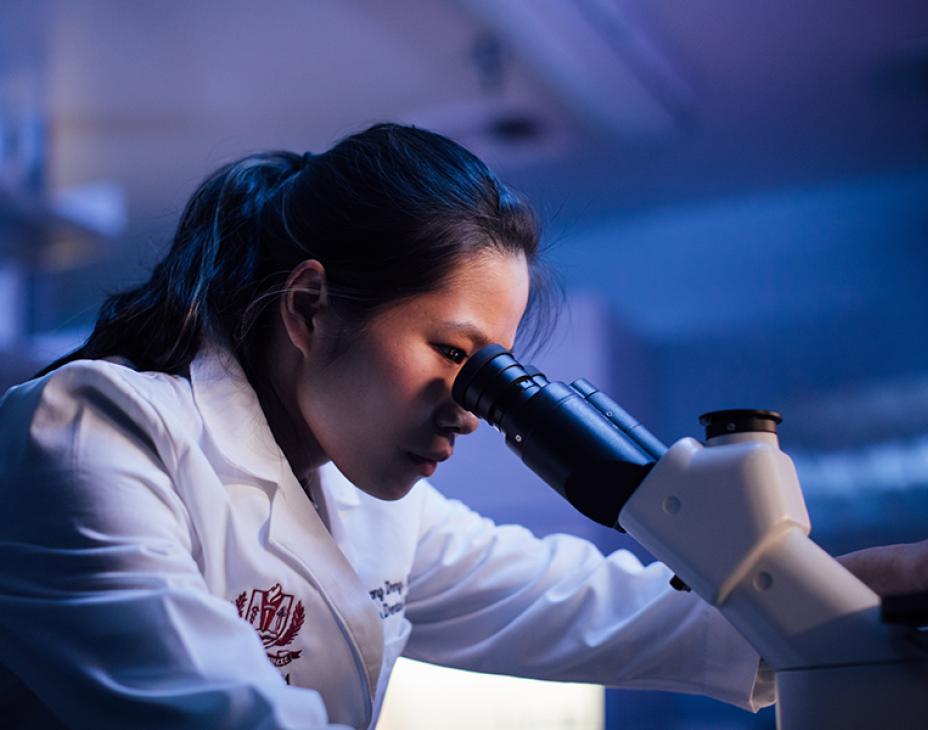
{"x": 728, "y": 517}
{"x": 730, "y": 520}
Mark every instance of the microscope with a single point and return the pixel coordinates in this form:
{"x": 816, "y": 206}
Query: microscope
{"x": 728, "y": 517}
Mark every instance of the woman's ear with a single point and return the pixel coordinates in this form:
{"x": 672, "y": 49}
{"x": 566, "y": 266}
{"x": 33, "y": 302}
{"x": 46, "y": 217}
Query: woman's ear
{"x": 302, "y": 304}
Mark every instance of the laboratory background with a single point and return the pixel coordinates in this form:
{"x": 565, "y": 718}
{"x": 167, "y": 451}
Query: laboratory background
{"x": 734, "y": 194}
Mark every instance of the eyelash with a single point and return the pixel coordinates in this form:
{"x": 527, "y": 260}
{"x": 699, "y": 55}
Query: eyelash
{"x": 454, "y": 354}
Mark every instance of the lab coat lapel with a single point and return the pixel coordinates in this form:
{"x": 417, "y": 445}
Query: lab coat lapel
{"x": 298, "y": 534}
{"x": 239, "y": 432}
{"x": 338, "y": 498}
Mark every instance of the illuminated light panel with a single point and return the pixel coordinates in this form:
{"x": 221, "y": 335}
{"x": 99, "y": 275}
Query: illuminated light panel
{"x": 424, "y": 697}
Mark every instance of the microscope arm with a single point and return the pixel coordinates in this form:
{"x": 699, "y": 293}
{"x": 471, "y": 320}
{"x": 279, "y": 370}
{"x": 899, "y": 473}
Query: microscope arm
{"x": 731, "y": 522}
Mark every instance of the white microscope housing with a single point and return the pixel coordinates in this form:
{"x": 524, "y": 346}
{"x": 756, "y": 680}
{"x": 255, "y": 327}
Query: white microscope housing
{"x": 728, "y": 517}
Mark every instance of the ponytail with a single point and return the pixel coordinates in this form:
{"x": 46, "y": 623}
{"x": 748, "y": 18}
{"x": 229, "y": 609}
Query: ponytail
{"x": 389, "y": 212}
{"x": 208, "y": 276}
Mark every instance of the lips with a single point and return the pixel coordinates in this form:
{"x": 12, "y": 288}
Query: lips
{"x": 435, "y": 457}
{"x": 427, "y": 464}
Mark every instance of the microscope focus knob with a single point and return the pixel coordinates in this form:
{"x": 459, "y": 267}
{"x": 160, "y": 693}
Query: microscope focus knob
{"x": 739, "y": 420}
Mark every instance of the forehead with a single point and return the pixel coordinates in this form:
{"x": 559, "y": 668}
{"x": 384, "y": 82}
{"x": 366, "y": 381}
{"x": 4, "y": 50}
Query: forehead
{"x": 485, "y": 297}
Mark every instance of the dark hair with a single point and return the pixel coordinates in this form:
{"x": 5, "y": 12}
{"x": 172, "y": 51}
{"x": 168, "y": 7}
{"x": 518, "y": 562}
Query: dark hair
{"x": 388, "y": 212}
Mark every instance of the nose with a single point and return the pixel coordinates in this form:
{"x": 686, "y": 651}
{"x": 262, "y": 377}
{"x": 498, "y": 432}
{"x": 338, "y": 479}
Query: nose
{"x": 451, "y": 418}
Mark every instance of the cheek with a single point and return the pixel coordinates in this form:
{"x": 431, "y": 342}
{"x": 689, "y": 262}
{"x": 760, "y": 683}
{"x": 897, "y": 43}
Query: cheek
{"x": 400, "y": 384}
{"x": 405, "y": 386}
{"x": 380, "y": 393}
{"x": 374, "y": 392}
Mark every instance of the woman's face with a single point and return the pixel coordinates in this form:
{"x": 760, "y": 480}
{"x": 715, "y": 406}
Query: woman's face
{"x": 382, "y": 410}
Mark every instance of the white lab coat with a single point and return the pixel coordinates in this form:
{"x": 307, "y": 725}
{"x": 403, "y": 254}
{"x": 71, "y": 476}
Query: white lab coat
{"x": 160, "y": 566}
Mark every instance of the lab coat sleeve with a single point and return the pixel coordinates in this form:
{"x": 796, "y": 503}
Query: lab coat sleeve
{"x": 497, "y": 599}
{"x": 104, "y": 614}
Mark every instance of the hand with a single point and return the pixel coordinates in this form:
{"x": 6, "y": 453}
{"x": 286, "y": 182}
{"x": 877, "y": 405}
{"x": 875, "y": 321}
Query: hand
{"x": 891, "y": 569}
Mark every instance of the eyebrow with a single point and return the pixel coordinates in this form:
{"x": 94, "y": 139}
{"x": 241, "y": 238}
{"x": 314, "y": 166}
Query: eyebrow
{"x": 470, "y": 331}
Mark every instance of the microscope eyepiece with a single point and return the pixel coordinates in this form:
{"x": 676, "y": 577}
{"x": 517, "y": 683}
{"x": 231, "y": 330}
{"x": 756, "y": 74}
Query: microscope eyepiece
{"x": 572, "y": 436}
{"x": 739, "y": 420}
{"x": 491, "y": 382}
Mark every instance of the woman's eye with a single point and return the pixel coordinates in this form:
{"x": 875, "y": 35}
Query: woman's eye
{"x": 454, "y": 354}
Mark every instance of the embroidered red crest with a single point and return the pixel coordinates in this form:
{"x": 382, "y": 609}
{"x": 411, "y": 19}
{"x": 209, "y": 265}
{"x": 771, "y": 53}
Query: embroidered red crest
{"x": 275, "y": 619}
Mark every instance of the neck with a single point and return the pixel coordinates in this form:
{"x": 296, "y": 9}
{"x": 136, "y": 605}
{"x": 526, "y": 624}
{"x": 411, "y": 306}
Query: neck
{"x": 299, "y": 445}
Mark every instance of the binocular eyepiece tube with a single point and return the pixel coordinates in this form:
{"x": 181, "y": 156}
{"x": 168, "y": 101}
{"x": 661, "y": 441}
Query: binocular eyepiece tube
{"x": 574, "y": 437}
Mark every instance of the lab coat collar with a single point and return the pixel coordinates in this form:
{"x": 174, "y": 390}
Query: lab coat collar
{"x": 232, "y": 415}
{"x": 342, "y": 492}
{"x": 238, "y": 428}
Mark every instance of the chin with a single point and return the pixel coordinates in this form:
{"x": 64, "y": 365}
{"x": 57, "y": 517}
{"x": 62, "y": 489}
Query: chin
{"x": 389, "y": 491}
{"x": 393, "y": 492}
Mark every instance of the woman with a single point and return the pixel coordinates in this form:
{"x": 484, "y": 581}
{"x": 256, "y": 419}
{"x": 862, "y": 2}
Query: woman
{"x": 213, "y": 509}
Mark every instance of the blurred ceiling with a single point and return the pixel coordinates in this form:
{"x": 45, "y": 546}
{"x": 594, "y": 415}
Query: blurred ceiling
{"x": 601, "y": 105}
